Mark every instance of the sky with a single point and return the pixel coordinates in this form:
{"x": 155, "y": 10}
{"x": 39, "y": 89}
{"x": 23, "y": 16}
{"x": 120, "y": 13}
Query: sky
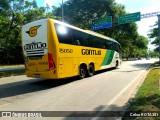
{"x": 143, "y": 6}
{"x": 50, "y": 2}
{"x": 131, "y": 6}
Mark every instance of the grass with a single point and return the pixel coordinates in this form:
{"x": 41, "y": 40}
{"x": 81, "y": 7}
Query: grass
{"x": 148, "y": 96}
{"x": 11, "y": 72}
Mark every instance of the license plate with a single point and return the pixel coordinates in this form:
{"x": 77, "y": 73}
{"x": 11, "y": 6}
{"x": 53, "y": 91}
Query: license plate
{"x": 37, "y": 75}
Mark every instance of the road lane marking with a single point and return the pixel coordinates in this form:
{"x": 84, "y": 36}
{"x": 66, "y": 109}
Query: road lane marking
{"x": 119, "y": 94}
{"x": 5, "y": 104}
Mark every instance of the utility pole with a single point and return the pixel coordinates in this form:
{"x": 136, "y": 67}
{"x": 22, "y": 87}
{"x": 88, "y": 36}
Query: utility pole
{"x": 62, "y": 12}
{"x": 47, "y": 7}
{"x": 159, "y": 34}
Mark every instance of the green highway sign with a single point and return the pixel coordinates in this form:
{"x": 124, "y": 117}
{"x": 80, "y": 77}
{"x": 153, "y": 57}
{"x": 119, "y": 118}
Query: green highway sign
{"x": 101, "y": 23}
{"x": 128, "y": 18}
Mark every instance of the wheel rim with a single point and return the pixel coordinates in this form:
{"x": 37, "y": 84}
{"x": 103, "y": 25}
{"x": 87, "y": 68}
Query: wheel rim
{"x": 82, "y": 72}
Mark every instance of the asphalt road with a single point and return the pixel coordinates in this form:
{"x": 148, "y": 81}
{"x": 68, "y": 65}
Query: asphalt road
{"x": 12, "y": 67}
{"x": 19, "y": 93}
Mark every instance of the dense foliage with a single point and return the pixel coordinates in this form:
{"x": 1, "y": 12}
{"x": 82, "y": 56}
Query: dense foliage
{"x": 154, "y": 34}
{"x": 14, "y": 14}
{"x": 80, "y": 13}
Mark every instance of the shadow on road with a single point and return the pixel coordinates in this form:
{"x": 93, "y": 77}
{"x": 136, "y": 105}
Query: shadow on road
{"x": 128, "y": 70}
{"x": 138, "y": 67}
{"x": 112, "y": 112}
{"x": 33, "y": 85}
{"x": 105, "y": 70}
{"x": 142, "y": 66}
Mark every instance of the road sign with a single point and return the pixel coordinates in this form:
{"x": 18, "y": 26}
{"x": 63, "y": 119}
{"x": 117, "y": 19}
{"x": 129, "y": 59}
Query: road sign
{"x": 123, "y": 19}
{"x": 101, "y": 26}
{"x": 102, "y": 23}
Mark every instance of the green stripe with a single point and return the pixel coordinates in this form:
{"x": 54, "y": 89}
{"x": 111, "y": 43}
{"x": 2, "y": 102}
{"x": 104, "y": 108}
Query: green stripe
{"x": 108, "y": 57}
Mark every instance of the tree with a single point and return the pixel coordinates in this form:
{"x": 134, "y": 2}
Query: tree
{"x": 153, "y": 54}
{"x": 14, "y": 14}
{"x": 81, "y": 13}
{"x": 154, "y": 34}
{"x": 11, "y": 19}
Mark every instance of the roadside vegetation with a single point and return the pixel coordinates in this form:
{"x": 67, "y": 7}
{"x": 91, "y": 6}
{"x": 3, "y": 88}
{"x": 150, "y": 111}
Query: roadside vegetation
{"x": 148, "y": 96}
{"x": 11, "y": 73}
{"x": 80, "y": 13}
{"x": 11, "y": 66}
{"x": 153, "y": 33}
{"x": 14, "y": 14}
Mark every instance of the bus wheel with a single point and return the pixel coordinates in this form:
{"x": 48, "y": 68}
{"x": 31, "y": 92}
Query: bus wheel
{"x": 90, "y": 70}
{"x": 116, "y": 64}
{"x": 82, "y": 72}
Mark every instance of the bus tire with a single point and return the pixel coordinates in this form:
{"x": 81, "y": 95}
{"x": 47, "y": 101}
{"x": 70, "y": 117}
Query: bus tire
{"x": 116, "y": 66}
{"x": 82, "y": 71}
{"x": 90, "y": 70}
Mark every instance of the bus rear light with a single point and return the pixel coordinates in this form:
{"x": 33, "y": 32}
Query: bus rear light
{"x": 51, "y": 62}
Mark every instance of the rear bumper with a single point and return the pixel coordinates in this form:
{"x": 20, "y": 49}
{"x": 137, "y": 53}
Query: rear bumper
{"x": 52, "y": 74}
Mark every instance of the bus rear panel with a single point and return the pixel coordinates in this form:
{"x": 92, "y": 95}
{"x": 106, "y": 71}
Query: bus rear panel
{"x": 39, "y": 52}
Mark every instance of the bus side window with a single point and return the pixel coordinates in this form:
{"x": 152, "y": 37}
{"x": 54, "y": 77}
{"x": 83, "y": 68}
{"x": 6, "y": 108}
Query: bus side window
{"x": 89, "y": 40}
{"x": 104, "y": 44}
{"x": 78, "y": 38}
{"x": 64, "y": 34}
{"x": 107, "y": 44}
{"x": 76, "y": 42}
{"x": 119, "y": 49}
{"x": 98, "y": 42}
{"x": 114, "y": 46}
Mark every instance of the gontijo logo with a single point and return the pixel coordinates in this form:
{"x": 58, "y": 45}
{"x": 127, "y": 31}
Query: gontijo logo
{"x": 33, "y": 31}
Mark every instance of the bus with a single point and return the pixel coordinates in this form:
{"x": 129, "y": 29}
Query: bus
{"x": 54, "y": 50}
